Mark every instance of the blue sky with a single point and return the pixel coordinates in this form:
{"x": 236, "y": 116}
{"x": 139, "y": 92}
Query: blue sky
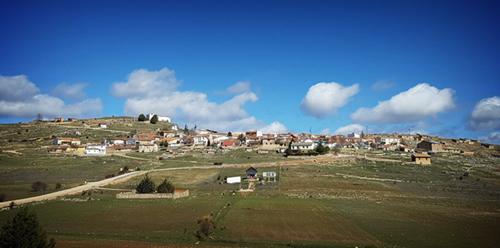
{"x": 281, "y": 48}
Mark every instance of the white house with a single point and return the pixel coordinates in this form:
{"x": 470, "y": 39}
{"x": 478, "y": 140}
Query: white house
{"x": 118, "y": 141}
{"x": 389, "y": 140}
{"x": 160, "y": 118}
{"x": 200, "y": 140}
{"x": 303, "y": 146}
{"x": 95, "y": 150}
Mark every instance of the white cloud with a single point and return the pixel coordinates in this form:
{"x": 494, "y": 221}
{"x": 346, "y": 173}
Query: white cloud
{"x": 14, "y": 88}
{"x": 239, "y": 87}
{"x": 70, "y": 91}
{"x": 493, "y": 138}
{"x": 417, "y": 103}
{"x": 142, "y": 83}
{"x": 185, "y": 106}
{"x": 275, "y": 128}
{"x": 323, "y": 99}
{"x": 30, "y": 103}
{"x": 351, "y": 128}
{"x": 486, "y": 114}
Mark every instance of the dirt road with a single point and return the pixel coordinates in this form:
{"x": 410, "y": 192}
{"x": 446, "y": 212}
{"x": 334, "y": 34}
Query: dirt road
{"x": 125, "y": 177}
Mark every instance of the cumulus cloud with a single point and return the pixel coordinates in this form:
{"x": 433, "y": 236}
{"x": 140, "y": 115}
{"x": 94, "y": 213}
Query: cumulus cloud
{"x": 185, "y": 106}
{"x": 239, "y": 87}
{"x": 493, "y": 138}
{"x": 351, "y": 128}
{"x": 486, "y": 114}
{"x": 143, "y": 83}
{"x": 417, "y": 103}
{"x": 13, "y": 88}
{"x": 323, "y": 99}
{"x": 30, "y": 103}
{"x": 70, "y": 91}
{"x": 275, "y": 127}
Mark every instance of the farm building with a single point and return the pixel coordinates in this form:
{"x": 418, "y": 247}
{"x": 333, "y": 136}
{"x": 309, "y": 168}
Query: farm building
{"x": 251, "y": 172}
{"x": 303, "y": 146}
{"x": 430, "y": 146}
{"x": 421, "y": 158}
{"x": 269, "y": 176}
{"x": 232, "y": 180}
{"x": 66, "y": 141}
{"x": 147, "y": 147}
{"x": 230, "y": 143}
{"x": 95, "y": 150}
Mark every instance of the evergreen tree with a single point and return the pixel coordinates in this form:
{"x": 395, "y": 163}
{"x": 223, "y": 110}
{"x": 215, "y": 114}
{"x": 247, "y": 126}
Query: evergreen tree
{"x": 145, "y": 186}
{"x": 142, "y": 117}
{"x": 24, "y": 231}
{"x": 321, "y": 149}
{"x": 154, "y": 119}
{"x": 165, "y": 187}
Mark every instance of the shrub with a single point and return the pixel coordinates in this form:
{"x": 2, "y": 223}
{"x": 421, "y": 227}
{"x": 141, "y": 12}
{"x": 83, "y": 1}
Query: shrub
{"x": 165, "y": 187}
{"x": 123, "y": 170}
{"x": 154, "y": 119}
{"x": 321, "y": 149}
{"x": 2, "y": 197}
{"x": 24, "y": 231}
{"x": 145, "y": 186}
{"x": 39, "y": 186}
{"x": 109, "y": 176}
{"x": 141, "y": 117}
{"x": 206, "y": 227}
{"x": 58, "y": 185}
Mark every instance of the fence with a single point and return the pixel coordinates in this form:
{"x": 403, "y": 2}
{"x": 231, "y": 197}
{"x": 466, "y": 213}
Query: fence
{"x": 132, "y": 195}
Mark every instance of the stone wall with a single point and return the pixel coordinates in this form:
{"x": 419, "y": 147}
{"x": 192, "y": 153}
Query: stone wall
{"x": 133, "y": 195}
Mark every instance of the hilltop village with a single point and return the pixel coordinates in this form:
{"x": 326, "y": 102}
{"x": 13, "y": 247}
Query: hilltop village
{"x": 183, "y": 185}
{"x": 174, "y": 141}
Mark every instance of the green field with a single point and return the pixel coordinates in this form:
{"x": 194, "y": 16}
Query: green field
{"x": 331, "y": 202}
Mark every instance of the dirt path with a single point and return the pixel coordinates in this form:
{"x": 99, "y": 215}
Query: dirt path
{"x": 74, "y": 190}
{"x": 125, "y": 177}
{"x": 367, "y": 178}
{"x": 127, "y": 156}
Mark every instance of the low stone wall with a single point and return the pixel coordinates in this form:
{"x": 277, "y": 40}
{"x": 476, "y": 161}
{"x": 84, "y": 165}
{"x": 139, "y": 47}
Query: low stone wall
{"x": 133, "y": 195}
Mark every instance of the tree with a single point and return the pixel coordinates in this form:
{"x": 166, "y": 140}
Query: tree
{"x": 24, "y": 231}
{"x": 186, "y": 130}
{"x": 145, "y": 186}
{"x": 39, "y": 186}
{"x": 58, "y": 185}
{"x": 242, "y": 138}
{"x": 142, "y": 117}
{"x": 154, "y": 119}
{"x": 229, "y": 134}
{"x": 165, "y": 187}
{"x": 321, "y": 149}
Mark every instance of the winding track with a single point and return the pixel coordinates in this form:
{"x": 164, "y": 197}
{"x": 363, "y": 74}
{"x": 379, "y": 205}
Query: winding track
{"x": 125, "y": 177}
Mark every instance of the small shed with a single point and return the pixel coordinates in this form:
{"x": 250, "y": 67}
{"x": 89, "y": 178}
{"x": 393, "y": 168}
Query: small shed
{"x": 269, "y": 176}
{"x": 251, "y": 172}
{"x": 421, "y": 158}
{"x": 231, "y": 180}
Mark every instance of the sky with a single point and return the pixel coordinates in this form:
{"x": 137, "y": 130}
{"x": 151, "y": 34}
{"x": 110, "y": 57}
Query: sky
{"x": 321, "y": 66}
